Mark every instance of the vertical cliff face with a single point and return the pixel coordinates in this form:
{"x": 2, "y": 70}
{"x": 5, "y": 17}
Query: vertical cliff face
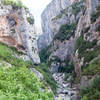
{"x": 17, "y": 29}
{"x": 51, "y": 11}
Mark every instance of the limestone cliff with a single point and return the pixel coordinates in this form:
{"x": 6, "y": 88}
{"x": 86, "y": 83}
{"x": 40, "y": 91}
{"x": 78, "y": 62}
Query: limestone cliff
{"x": 73, "y": 33}
{"x": 17, "y": 29}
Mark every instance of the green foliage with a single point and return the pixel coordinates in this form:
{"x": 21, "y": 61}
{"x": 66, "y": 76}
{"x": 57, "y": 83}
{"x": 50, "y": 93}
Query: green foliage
{"x": 93, "y": 68}
{"x": 79, "y": 42}
{"x": 92, "y": 92}
{"x": 48, "y": 77}
{"x": 89, "y": 54}
{"x": 30, "y": 20}
{"x": 21, "y": 84}
{"x": 77, "y": 7}
{"x": 6, "y": 54}
{"x": 44, "y": 54}
{"x": 65, "y": 32}
{"x": 98, "y": 8}
{"x": 17, "y": 3}
{"x": 95, "y": 14}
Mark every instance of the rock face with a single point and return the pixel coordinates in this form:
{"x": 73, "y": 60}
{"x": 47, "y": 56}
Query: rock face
{"x": 62, "y": 51}
{"x": 16, "y": 30}
{"x": 51, "y": 11}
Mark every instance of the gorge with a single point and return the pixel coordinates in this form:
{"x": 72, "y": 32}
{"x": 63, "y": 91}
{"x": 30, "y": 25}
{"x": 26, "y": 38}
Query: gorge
{"x": 63, "y": 64}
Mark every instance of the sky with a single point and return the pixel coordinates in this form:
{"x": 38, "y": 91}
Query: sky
{"x": 36, "y": 8}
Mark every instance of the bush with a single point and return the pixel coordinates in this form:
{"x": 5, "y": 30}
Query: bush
{"x": 6, "y": 54}
{"x": 95, "y": 15}
{"x": 77, "y": 7}
{"x": 30, "y": 20}
{"x": 92, "y": 92}
{"x": 88, "y": 55}
{"x": 79, "y": 42}
{"x": 48, "y": 77}
{"x": 93, "y": 68}
{"x": 21, "y": 84}
{"x": 44, "y": 54}
{"x": 65, "y": 32}
{"x": 17, "y": 3}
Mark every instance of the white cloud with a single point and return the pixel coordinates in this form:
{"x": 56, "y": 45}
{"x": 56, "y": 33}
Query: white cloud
{"x": 36, "y": 7}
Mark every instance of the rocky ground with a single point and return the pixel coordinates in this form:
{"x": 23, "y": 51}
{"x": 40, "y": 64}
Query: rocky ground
{"x": 64, "y": 92}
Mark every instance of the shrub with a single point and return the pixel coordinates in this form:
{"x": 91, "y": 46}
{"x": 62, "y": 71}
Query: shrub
{"x": 79, "y": 42}
{"x": 6, "y": 54}
{"x": 93, "y": 68}
{"x": 44, "y": 54}
{"x": 77, "y": 7}
{"x": 21, "y": 84}
{"x": 65, "y": 32}
{"x": 17, "y": 3}
{"x": 88, "y": 55}
{"x": 92, "y": 92}
{"x": 30, "y": 20}
{"x": 95, "y": 15}
{"x": 48, "y": 77}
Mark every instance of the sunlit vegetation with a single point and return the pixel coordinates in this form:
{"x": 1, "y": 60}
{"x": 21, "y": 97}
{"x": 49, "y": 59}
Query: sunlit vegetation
{"x": 17, "y": 3}
{"x": 15, "y": 87}
{"x": 21, "y": 84}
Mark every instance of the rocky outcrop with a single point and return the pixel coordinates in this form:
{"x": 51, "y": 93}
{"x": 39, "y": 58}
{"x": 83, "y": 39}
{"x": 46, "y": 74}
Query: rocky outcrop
{"x": 51, "y": 11}
{"x": 16, "y": 30}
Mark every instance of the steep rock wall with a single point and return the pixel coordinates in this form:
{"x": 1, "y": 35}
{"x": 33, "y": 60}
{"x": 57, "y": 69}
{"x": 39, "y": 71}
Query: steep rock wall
{"x": 16, "y": 30}
{"x": 51, "y": 11}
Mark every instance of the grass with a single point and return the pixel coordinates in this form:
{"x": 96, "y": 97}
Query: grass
{"x": 17, "y": 82}
{"x": 6, "y": 54}
{"x": 17, "y": 3}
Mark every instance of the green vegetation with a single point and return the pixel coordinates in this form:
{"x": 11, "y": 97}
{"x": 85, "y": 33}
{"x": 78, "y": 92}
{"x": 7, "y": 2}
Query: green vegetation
{"x": 21, "y": 84}
{"x": 89, "y": 54}
{"x": 77, "y": 7}
{"x": 6, "y": 54}
{"x": 98, "y": 29}
{"x": 83, "y": 47}
{"x": 65, "y": 32}
{"x": 79, "y": 42}
{"x": 92, "y": 92}
{"x": 30, "y": 20}
{"x": 44, "y": 54}
{"x": 48, "y": 77}
{"x": 93, "y": 68}
{"x": 95, "y": 14}
{"x": 18, "y": 83}
{"x": 17, "y": 3}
